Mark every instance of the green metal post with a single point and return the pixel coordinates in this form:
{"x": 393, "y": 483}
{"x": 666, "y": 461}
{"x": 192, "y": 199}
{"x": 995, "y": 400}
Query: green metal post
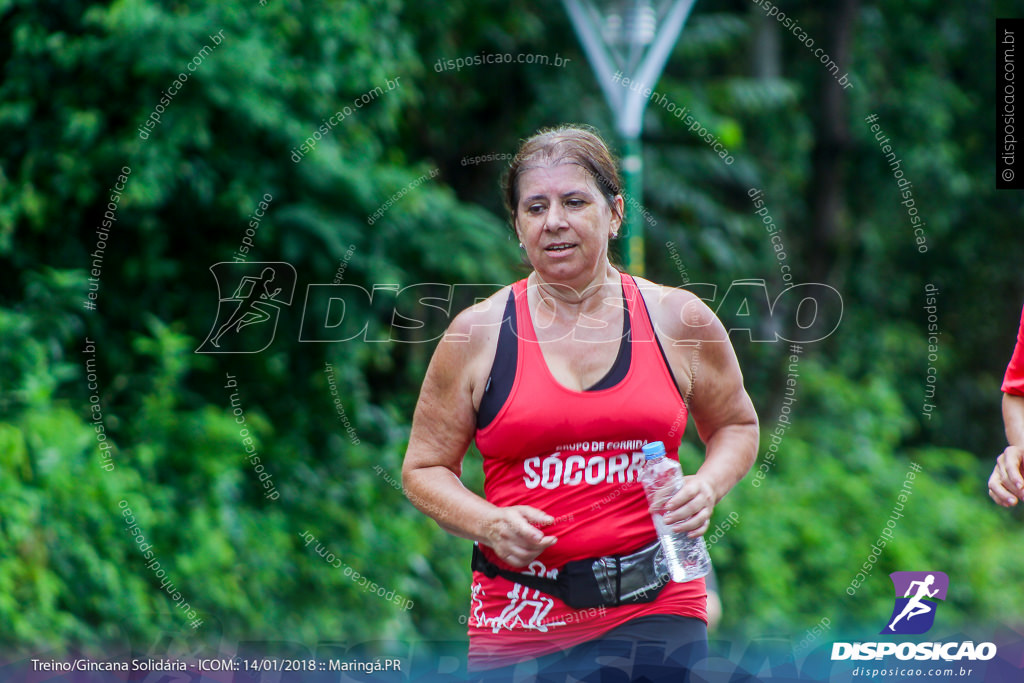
{"x": 632, "y": 171}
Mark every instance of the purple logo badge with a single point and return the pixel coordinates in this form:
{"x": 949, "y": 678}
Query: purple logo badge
{"x": 917, "y": 596}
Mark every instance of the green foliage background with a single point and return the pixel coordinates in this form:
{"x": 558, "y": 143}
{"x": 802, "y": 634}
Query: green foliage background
{"x": 80, "y": 78}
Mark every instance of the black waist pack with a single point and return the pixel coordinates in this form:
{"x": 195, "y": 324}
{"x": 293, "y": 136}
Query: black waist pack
{"x": 595, "y": 582}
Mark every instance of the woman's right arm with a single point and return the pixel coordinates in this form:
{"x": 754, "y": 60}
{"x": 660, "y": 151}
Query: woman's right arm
{"x": 443, "y": 426}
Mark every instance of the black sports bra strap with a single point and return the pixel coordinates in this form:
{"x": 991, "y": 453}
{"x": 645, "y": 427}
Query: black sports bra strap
{"x": 503, "y": 370}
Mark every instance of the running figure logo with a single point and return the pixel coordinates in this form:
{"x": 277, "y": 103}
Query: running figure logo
{"x": 527, "y": 607}
{"x": 254, "y": 305}
{"x": 914, "y": 612}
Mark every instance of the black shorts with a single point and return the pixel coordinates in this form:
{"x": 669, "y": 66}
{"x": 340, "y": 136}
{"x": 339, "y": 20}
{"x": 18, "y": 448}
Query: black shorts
{"x": 650, "y": 649}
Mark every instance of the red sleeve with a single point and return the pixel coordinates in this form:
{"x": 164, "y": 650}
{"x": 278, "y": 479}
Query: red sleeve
{"x": 1013, "y": 381}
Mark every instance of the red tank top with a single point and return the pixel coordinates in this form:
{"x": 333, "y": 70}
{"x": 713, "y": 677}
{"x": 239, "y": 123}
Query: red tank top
{"x": 575, "y": 455}
{"x": 1013, "y": 380}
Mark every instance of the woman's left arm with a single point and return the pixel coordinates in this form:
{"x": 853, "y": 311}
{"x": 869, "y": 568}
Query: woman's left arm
{"x": 709, "y": 375}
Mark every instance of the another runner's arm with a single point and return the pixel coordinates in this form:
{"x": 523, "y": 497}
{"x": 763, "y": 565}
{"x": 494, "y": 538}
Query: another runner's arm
{"x": 442, "y": 428}
{"x": 1006, "y": 485}
{"x": 1013, "y": 419}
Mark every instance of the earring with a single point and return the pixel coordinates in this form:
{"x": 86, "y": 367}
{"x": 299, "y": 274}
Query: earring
{"x": 521, "y": 246}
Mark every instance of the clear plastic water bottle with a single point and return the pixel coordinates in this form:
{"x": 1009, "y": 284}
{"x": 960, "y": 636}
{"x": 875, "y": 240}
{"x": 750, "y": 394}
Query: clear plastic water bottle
{"x": 685, "y": 558}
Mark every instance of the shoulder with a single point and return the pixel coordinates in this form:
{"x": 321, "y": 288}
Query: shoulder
{"x": 463, "y": 356}
{"x": 478, "y": 323}
{"x": 678, "y": 315}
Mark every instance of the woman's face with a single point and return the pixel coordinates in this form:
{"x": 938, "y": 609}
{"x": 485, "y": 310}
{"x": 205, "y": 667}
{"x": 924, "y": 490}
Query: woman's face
{"x": 564, "y": 222}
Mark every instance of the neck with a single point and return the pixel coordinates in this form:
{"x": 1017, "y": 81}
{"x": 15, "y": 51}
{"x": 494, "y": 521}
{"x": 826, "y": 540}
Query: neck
{"x": 582, "y": 296}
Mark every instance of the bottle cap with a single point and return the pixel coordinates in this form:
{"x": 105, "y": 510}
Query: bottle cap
{"x": 653, "y": 450}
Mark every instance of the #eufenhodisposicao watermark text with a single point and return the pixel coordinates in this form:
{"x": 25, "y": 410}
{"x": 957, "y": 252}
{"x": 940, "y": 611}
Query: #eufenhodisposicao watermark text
{"x": 682, "y": 113}
{"x": 153, "y": 564}
{"x": 886, "y": 535}
{"x": 783, "y": 422}
{"x": 903, "y": 184}
{"x": 102, "y": 235}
